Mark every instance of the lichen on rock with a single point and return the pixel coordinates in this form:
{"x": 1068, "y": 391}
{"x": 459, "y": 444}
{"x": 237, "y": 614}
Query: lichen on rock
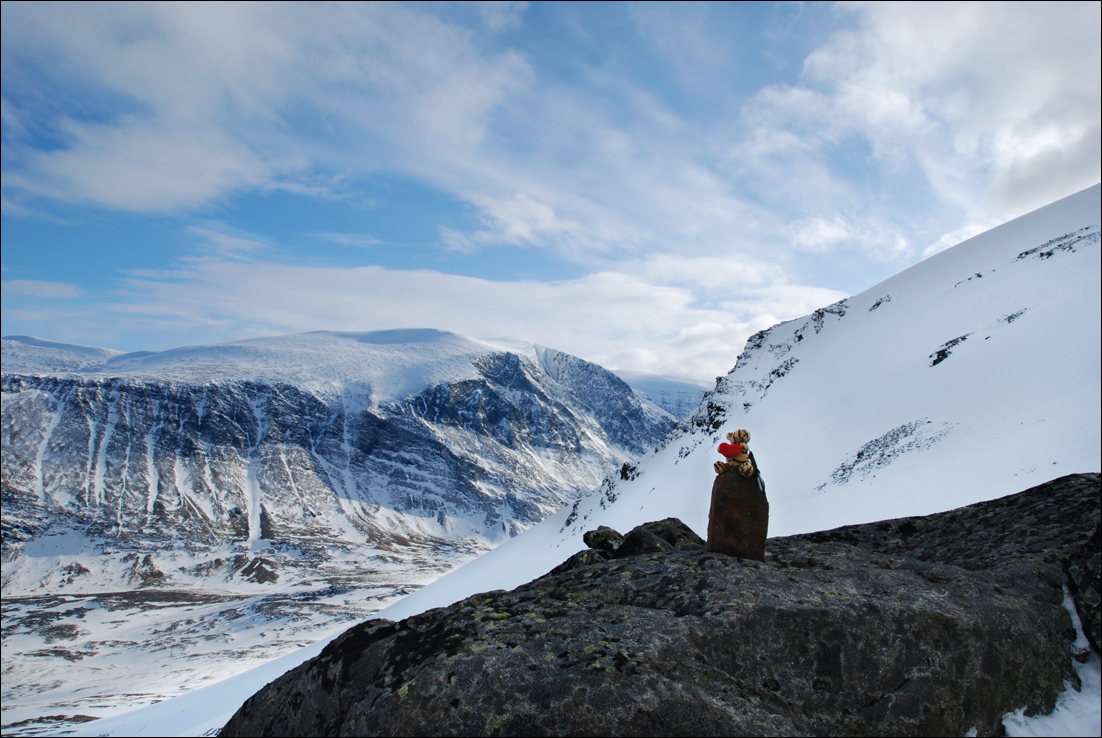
{"x": 918, "y": 626}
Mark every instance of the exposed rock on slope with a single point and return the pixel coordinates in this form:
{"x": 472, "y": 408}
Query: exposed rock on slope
{"x": 916, "y": 626}
{"x": 318, "y": 442}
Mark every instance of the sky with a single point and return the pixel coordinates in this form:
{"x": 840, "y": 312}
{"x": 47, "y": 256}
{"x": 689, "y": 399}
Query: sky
{"x": 641, "y": 185}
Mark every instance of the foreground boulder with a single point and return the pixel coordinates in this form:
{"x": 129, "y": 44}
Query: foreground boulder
{"x": 738, "y": 520}
{"x": 918, "y": 626}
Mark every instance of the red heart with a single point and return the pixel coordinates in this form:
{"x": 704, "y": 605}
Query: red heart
{"x": 729, "y": 450}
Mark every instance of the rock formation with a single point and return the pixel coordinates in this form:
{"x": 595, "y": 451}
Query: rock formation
{"x": 915, "y": 626}
{"x": 164, "y": 456}
{"x": 738, "y": 520}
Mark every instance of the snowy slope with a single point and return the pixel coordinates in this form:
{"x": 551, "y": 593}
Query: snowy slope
{"x": 972, "y": 375}
{"x": 29, "y": 355}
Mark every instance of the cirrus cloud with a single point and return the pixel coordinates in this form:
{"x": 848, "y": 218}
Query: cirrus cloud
{"x": 704, "y": 175}
{"x": 40, "y": 289}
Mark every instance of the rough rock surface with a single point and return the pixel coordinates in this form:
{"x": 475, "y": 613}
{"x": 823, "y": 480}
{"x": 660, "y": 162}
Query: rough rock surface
{"x": 1085, "y": 575}
{"x": 738, "y": 519}
{"x": 917, "y": 626}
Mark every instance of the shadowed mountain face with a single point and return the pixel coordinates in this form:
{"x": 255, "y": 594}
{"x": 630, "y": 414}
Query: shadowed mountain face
{"x": 150, "y": 459}
{"x": 917, "y": 626}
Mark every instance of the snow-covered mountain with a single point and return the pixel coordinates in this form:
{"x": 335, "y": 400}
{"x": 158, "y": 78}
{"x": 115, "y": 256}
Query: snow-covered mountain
{"x": 382, "y": 437}
{"x": 322, "y": 475}
{"x": 30, "y": 354}
{"x": 972, "y": 375}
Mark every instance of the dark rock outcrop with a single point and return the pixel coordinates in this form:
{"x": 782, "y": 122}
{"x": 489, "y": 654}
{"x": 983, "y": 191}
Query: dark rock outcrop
{"x": 1085, "y": 578}
{"x": 657, "y": 537}
{"x": 603, "y": 539}
{"x": 917, "y": 626}
{"x": 738, "y": 519}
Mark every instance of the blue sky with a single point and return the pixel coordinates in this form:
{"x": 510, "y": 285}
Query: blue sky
{"x": 643, "y": 185}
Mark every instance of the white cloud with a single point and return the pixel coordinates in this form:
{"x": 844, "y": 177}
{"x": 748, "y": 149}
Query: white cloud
{"x": 684, "y": 34}
{"x": 613, "y": 318}
{"x": 920, "y": 122}
{"x": 225, "y": 100}
{"x": 227, "y": 243}
{"x": 501, "y": 15}
{"x": 40, "y": 289}
{"x": 181, "y": 104}
{"x": 517, "y": 220}
{"x": 1031, "y": 177}
{"x": 983, "y": 90}
{"x": 724, "y": 274}
{"x": 348, "y": 239}
{"x": 819, "y": 235}
{"x": 783, "y": 18}
{"x": 911, "y": 124}
{"x": 998, "y": 105}
{"x": 140, "y": 167}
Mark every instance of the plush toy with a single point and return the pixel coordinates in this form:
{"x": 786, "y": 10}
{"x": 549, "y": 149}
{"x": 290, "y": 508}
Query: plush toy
{"x": 738, "y": 520}
{"x": 737, "y": 453}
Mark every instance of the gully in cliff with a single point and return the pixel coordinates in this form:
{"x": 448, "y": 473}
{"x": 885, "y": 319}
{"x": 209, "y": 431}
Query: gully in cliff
{"x": 739, "y": 517}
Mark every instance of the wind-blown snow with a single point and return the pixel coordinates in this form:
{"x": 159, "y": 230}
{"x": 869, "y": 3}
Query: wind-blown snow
{"x": 972, "y": 375}
{"x": 385, "y": 365}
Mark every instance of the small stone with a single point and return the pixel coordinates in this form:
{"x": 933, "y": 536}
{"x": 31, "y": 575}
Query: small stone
{"x": 641, "y": 541}
{"x": 603, "y": 539}
{"x": 675, "y": 533}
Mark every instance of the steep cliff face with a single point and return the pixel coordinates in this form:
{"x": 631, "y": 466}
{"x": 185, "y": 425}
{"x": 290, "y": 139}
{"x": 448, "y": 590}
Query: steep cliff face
{"x": 141, "y": 451}
{"x": 917, "y": 626}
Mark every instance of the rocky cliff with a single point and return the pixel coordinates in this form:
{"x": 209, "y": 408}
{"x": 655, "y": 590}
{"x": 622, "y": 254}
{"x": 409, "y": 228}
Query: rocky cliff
{"x": 915, "y": 626}
{"x": 309, "y": 444}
